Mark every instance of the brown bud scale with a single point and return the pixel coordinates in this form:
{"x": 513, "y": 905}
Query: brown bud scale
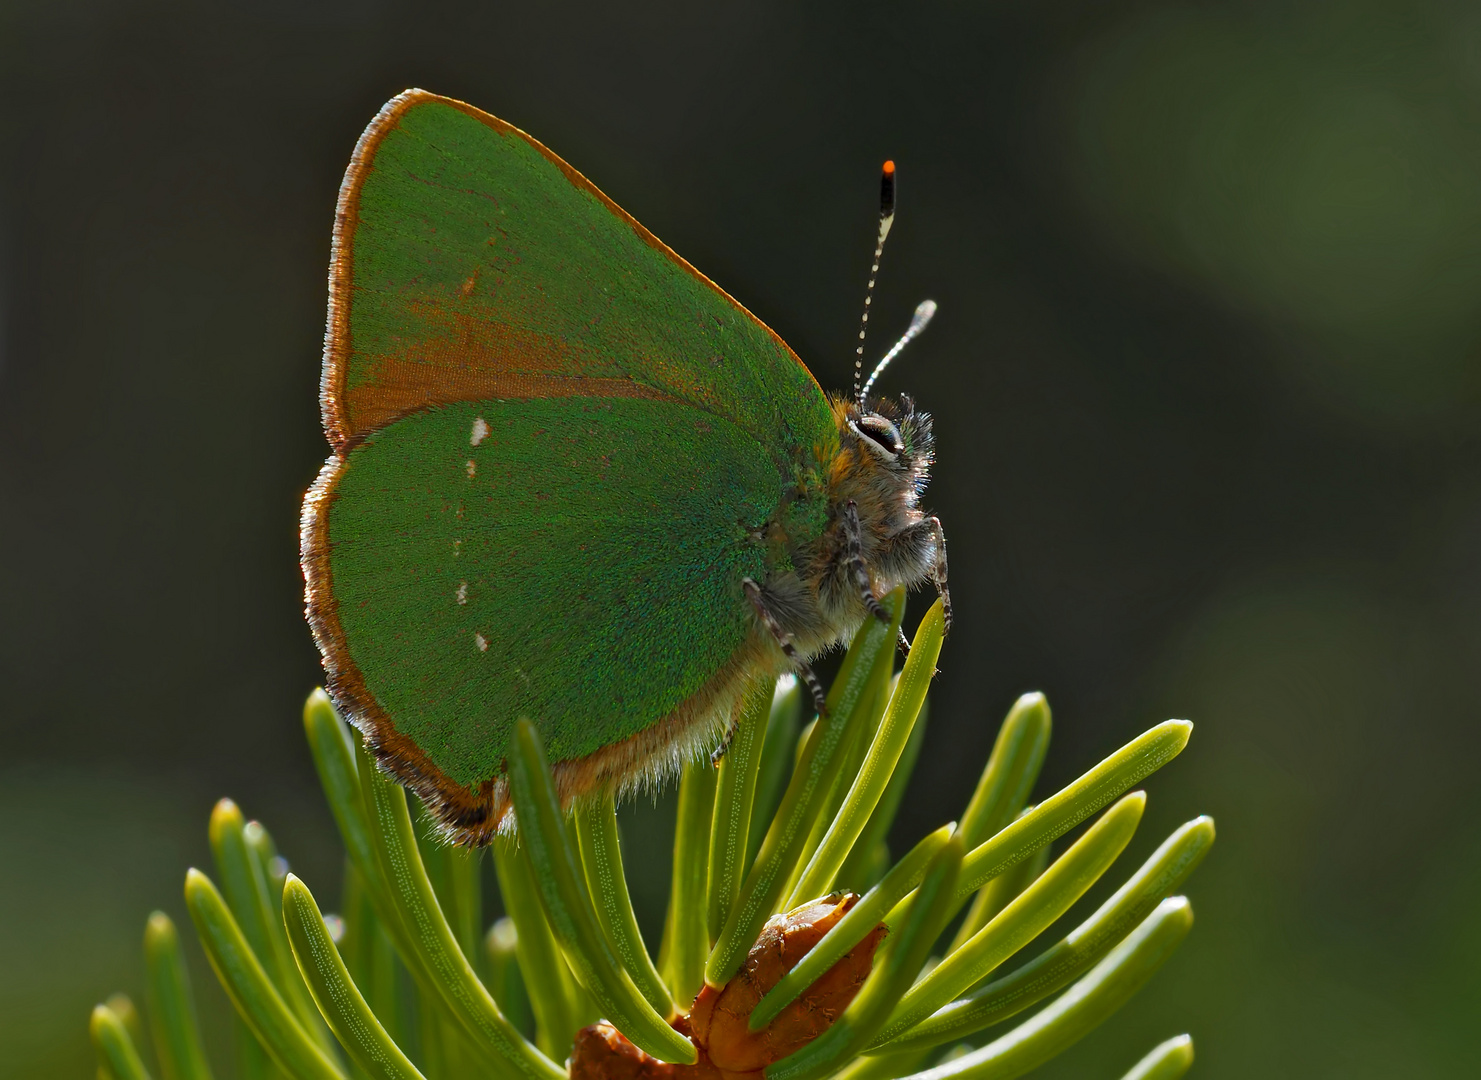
{"x": 718, "y": 1022}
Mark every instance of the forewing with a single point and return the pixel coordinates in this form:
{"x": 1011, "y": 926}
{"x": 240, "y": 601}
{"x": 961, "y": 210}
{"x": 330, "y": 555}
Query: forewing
{"x": 471, "y": 263}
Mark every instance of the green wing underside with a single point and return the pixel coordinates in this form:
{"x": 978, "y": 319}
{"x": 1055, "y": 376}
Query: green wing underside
{"x": 474, "y": 252}
{"x": 580, "y": 565}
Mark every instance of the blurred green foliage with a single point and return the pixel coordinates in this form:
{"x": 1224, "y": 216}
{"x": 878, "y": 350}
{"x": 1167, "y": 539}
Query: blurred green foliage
{"x": 1316, "y": 163}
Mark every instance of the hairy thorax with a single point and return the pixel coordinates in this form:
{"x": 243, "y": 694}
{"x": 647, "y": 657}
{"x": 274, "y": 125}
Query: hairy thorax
{"x": 854, "y": 528}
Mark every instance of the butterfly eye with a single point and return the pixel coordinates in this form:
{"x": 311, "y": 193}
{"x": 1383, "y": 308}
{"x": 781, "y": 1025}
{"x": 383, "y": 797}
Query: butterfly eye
{"x": 881, "y": 436}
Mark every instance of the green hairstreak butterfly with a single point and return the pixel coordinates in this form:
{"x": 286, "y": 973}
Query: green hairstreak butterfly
{"x": 571, "y": 479}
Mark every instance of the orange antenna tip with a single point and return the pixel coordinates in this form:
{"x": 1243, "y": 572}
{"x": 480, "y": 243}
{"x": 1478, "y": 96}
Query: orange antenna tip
{"x": 886, "y": 219}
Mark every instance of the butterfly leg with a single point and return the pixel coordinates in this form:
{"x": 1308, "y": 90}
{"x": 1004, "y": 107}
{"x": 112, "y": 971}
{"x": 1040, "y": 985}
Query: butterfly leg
{"x": 718, "y": 754}
{"x": 854, "y": 553}
{"x": 784, "y": 642}
{"x": 938, "y": 573}
{"x": 909, "y": 552}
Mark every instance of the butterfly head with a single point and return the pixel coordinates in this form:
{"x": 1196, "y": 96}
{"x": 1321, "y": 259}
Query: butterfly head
{"x": 893, "y": 436}
{"x": 885, "y": 451}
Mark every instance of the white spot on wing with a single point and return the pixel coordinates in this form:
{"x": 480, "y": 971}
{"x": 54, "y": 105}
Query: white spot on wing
{"x": 481, "y": 642}
{"x": 472, "y": 468}
{"x": 463, "y": 593}
{"x": 480, "y": 431}
{"x": 457, "y": 548}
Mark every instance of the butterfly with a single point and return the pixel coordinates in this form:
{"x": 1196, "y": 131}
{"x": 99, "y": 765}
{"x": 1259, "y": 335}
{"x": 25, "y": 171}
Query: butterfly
{"x": 571, "y": 478}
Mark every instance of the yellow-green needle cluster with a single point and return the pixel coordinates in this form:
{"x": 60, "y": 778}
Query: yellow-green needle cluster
{"x": 407, "y": 983}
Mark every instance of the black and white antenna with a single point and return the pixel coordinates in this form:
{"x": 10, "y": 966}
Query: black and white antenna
{"x": 924, "y": 312}
{"x": 886, "y": 219}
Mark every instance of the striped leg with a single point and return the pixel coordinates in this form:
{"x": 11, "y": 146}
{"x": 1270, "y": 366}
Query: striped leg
{"x": 784, "y": 642}
{"x": 854, "y": 553}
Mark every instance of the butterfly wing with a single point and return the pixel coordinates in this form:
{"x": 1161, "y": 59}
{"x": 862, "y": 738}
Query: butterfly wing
{"x": 472, "y": 263}
{"x": 556, "y": 447}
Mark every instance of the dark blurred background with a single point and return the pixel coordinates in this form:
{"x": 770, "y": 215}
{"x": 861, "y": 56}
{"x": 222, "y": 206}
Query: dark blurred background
{"x": 1207, "y": 378}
